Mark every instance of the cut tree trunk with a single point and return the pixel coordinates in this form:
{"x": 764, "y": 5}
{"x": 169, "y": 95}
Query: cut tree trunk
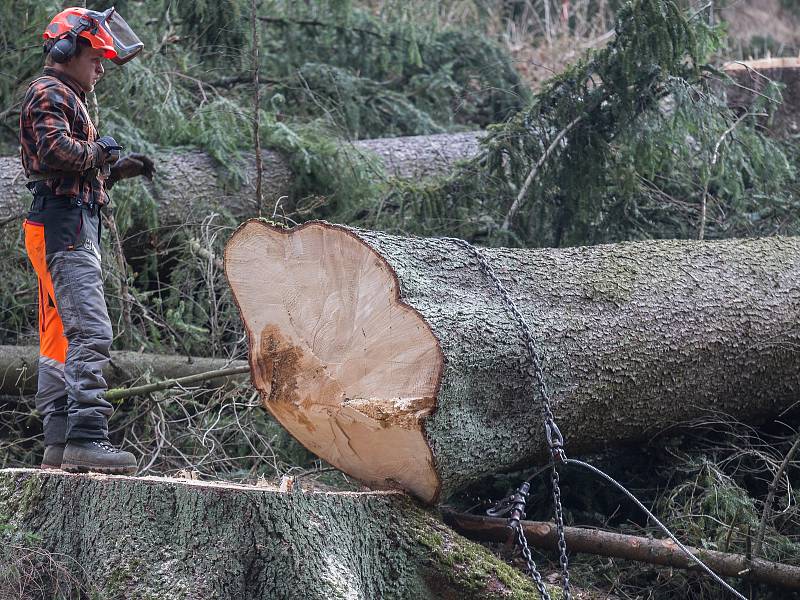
{"x": 752, "y": 77}
{"x": 124, "y": 537}
{"x": 19, "y": 367}
{"x": 188, "y": 187}
{"x": 395, "y": 359}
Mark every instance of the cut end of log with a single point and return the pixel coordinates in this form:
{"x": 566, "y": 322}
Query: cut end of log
{"x": 325, "y": 318}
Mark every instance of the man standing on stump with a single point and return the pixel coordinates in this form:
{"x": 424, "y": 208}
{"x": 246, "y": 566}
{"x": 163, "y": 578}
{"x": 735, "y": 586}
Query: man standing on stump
{"x": 69, "y": 169}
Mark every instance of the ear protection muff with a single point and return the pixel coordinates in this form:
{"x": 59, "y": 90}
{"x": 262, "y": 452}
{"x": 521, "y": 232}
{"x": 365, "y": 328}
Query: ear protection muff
{"x": 64, "y": 48}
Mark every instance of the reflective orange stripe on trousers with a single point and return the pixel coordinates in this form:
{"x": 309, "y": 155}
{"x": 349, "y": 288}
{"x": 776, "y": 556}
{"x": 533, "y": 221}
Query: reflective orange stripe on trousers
{"x": 52, "y": 342}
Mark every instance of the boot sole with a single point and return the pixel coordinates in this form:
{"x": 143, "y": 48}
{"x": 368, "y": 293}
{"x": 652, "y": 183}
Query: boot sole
{"x": 75, "y": 468}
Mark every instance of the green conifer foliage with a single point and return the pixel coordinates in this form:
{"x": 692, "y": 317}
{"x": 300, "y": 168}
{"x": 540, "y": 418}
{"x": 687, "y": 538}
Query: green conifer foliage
{"x": 631, "y": 142}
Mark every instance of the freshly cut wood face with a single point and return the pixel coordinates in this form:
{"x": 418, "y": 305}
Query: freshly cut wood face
{"x": 339, "y": 360}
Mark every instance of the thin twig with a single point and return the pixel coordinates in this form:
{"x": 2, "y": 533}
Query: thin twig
{"x": 771, "y": 497}
{"x": 714, "y": 158}
{"x": 123, "y": 393}
{"x": 11, "y": 218}
{"x": 313, "y": 23}
{"x": 512, "y": 212}
{"x": 122, "y": 276}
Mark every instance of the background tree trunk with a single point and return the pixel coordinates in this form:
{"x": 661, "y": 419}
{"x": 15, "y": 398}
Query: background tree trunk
{"x": 187, "y": 186}
{"x": 126, "y": 537}
{"x": 19, "y": 365}
{"x": 395, "y": 359}
{"x": 752, "y": 77}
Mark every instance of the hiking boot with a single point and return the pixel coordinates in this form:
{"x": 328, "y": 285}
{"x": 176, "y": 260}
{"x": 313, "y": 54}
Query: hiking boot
{"x": 52, "y": 456}
{"x": 98, "y": 456}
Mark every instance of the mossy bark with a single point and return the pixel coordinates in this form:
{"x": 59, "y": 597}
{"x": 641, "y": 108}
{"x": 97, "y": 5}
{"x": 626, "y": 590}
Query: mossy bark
{"x": 152, "y": 538}
{"x": 635, "y": 337}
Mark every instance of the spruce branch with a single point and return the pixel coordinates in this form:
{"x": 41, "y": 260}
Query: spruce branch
{"x": 529, "y": 179}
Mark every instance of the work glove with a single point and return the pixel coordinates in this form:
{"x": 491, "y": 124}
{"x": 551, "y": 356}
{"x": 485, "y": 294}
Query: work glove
{"x": 111, "y": 150}
{"x": 129, "y": 166}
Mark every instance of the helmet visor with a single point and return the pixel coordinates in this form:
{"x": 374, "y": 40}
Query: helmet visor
{"x": 126, "y": 42}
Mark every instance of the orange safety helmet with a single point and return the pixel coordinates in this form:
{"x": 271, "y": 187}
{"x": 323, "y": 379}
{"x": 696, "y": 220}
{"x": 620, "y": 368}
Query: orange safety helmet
{"x": 67, "y": 22}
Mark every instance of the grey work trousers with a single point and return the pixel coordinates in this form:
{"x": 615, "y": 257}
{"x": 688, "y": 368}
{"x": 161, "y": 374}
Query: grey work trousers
{"x": 69, "y": 394}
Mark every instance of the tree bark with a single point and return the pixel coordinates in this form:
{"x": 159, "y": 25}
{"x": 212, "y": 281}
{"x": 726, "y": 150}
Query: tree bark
{"x": 629, "y": 547}
{"x": 396, "y": 360}
{"x": 187, "y": 186}
{"x": 160, "y": 538}
{"x": 752, "y": 77}
{"x": 19, "y": 367}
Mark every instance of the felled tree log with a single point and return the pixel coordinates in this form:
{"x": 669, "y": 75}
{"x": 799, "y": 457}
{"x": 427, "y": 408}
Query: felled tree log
{"x": 19, "y": 367}
{"x": 188, "y": 186}
{"x": 395, "y": 359}
{"x": 126, "y": 537}
{"x": 640, "y": 549}
{"x": 752, "y": 77}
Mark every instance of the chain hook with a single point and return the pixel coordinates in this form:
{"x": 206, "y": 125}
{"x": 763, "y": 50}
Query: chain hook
{"x": 555, "y": 441}
{"x": 513, "y": 505}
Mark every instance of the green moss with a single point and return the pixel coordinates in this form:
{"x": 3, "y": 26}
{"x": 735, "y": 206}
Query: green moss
{"x": 119, "y": 580}
{"x": 472, "y": 568}
{"x": 614, "y": 281}
{"x": 30, "y": 494}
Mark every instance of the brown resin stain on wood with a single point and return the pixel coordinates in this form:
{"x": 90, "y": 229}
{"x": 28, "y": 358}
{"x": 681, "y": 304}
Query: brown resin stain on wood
{"x": 278, "y": 364}
{"x": 339, "y": 360}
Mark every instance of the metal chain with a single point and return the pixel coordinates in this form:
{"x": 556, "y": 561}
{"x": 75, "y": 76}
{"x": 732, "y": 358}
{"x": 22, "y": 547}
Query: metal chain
{"x": 514, "y": 507}
{"x": 515, "y": 504}
{"x": 532, "y": 570}
{"x": 555, "y": 441}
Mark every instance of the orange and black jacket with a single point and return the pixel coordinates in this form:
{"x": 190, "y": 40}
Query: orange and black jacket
{"x": 57, "y": 138}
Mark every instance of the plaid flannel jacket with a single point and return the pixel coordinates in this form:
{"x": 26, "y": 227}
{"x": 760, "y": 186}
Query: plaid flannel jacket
{"x": 57, "y": 137}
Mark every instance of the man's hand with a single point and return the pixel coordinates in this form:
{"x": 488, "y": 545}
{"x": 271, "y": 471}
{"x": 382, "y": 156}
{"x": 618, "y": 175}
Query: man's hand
{"x": 129, "y": 166}
{"x": 111, "y": 149}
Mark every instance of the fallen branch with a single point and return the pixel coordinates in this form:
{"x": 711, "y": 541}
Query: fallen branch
{"x": 122, "y": 393}
{"x": 18, "y": 368}
{"x": 629, "y": 547}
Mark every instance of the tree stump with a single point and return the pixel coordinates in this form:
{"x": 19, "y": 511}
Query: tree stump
{"x": 128, "y": 538}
